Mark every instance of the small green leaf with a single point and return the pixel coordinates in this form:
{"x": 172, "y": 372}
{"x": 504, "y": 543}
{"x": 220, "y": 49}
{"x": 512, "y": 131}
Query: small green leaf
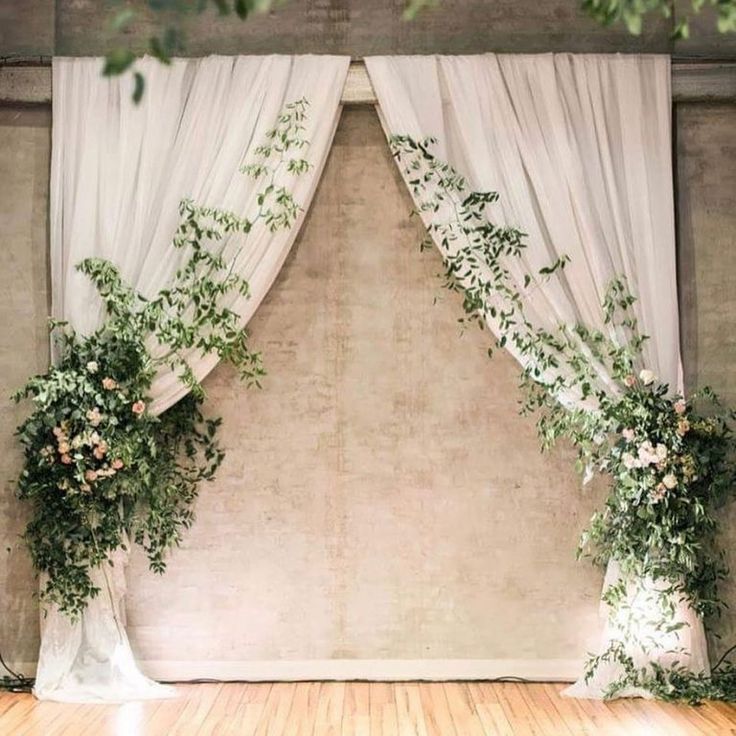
{"x": 140, "y": 85}
{"x": 118, "y": 61}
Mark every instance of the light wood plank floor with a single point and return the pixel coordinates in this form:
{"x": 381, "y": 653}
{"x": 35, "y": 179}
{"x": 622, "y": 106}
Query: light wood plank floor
{"x": 364, "y": 709}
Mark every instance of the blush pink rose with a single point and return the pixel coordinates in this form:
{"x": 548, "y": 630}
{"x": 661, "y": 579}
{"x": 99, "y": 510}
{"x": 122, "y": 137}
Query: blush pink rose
{"x": 117, "y": 463}
{"x": 109, "y": 383}
{"x": 138, "y": 408}
{"x": 680, "y": 406}
{"x": 94, "y": 417}
{"x": 66, "y": 459}
{"x": 90, "y": 475}
{"x": 630, "y": 380}
{"x": 658, "y": 493}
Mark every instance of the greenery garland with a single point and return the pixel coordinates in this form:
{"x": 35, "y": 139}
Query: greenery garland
{"x": 670, "y": 460}
{"x": 99, "y": 467}
{"x": 169, "y": 39}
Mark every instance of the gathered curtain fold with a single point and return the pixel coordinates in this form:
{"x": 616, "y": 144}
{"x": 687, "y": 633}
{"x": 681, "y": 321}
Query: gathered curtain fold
{"x": 118, "y": 173}
{"x": 579, "y": 148}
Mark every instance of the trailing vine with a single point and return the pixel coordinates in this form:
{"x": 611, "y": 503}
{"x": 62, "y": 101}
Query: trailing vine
{"x": 99, "y": 467}
{"x": 670, "y": 460}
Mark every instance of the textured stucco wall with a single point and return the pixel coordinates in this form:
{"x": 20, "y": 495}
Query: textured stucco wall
{"x": 381, "y": 498}
{"x": 25, "y": 143}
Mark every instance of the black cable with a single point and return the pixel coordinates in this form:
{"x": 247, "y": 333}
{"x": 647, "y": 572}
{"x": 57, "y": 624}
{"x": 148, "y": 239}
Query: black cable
{"x": 17, "y": 682}
{"x": 215, "y": 680}
{"x": 723, "y": 657}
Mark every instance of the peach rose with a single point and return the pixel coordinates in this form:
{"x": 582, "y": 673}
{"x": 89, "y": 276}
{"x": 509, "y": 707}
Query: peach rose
{"x": 66, "y": 459}
{"x": 658, "y": 493}
{"x": 630, "y": 380}
{"x": 683, "y": 427}
{"x": 94, "y": 417}
{"x": 109, "y": 383}
{"x": 680, "y": 406}
{"x": 117, "y": 463}
{"x": 138, "y": 408}
{"x": 90, "y": 475}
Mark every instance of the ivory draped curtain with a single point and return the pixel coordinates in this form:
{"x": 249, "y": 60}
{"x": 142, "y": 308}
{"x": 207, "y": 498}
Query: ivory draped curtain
{"x": 118, "y": 173}
{"x": 579, "y": 148}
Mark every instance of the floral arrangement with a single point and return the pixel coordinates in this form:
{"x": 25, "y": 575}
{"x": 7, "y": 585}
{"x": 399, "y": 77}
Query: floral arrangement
{"x": 671, "y": 461}
{"x": 100, "y": 468}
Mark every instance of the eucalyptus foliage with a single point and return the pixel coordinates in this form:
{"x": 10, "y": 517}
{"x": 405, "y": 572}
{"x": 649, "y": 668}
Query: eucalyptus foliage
{"x": 670, "y": 460}
{"x": 176, "y": 15}
{"x": 633, "y": 12}
{"x": 99, "y": 467}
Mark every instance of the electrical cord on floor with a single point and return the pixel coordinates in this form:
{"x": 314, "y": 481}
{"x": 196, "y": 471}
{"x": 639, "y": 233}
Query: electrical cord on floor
{"x": 15, "y": 682}
{"x": 214, "y": 681}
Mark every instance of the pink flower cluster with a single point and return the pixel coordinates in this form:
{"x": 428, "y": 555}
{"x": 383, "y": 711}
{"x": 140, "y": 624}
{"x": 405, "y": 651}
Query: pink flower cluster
{"x": 647, "y": 455}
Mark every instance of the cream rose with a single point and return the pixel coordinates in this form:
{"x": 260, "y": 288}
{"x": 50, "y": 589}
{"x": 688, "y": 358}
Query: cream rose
{"x": 629, "y": 461}
{"x": 647, "y": 377}
{"x": 670, "y": 481}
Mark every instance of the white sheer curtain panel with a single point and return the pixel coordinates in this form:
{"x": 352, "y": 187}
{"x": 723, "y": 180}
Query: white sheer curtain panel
{"x": 579, "y": 149}
{"x": 118, "y": 173}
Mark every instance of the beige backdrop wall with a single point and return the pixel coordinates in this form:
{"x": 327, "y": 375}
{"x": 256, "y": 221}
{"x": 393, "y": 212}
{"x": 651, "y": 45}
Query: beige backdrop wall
{"x": 381, "y": 499}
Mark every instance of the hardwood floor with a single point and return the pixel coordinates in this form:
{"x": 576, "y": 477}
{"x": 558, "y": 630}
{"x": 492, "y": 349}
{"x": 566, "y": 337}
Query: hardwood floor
{"x": 364, "y": 709}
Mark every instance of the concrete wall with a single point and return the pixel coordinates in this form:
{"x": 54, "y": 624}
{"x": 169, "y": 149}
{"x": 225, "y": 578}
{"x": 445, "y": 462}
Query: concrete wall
{"x": 356, "y": 27}
{"x": 25, "y": 144}
{"x": 381, "y": 498}
{"x": 706, "y": 208}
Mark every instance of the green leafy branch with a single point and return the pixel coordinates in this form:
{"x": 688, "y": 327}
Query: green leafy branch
{"x": 633, "y": 12}
{"x": 99, "y": 468}
{"x": 671, "y": 461}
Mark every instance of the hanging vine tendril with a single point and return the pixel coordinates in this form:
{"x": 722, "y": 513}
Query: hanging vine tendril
{"x": 670, "y": 461}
